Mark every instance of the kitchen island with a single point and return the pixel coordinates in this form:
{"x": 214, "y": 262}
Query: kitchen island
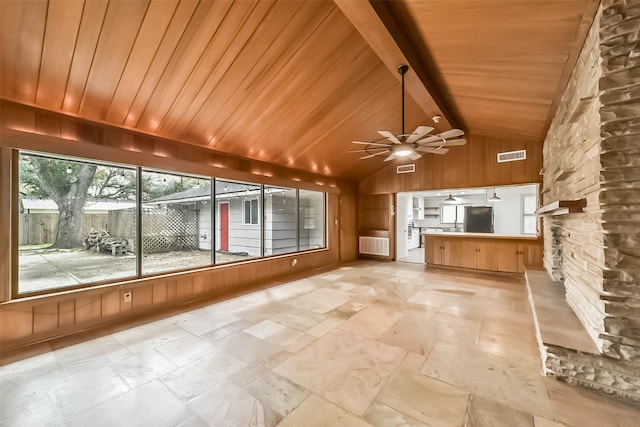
{"x": 483, "y": 251}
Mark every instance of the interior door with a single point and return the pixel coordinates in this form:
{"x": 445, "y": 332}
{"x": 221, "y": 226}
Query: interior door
{"x": 348, "y": 227}
{"x": 224, "y": 226}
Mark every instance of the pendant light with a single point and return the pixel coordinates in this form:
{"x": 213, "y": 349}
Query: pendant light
{"x": 450, "y": 199}
{"x": 495, "y": 197}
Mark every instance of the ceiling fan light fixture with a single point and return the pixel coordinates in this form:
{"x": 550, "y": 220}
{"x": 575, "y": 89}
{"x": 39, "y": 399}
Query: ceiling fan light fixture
{"x": 494, "y": 197}
{"x": 403, "y": 152}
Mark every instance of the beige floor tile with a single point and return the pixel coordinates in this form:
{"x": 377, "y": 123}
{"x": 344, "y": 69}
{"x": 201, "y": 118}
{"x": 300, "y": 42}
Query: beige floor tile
{"x": 543, "y": 422}
{"x": 193, "y": 421}
{"x": 246, "y": 347}
{"x": 412, "y": 334}
{"x": 230, "y": 405}
{"x": 579, "y": 407}
{"x": 203, "y": 321}
{"x": 196, "y": 378}
{"x": 299, "y": 319}
{"x": 321, "y": 300}
{"x": 489, "y": 376}
{"x": 371, "y": 322}
{"x": 152, "y": 405}
{"x": 325, "y": 326}
{"x": 186, "y": 350}
{"x": 264, "y": 329}
{"x": 142, "y": 368}
{"x": 151, "y": 335}
{"x": 84, "y": 391}
{"x": 413, "y": 362}
{"x": 425, "y": 399}
{"x": 300, "y": 343}
{"x": 317, "y": 412}
{"x": 429, "y": 298}
{"x": 247, "y": 375}
{"x": 381, "y": 415}
{"x": 484, "y": 412}
{"x": 346, "y": 369}
{"x": 277, "y": 393}
{"x": 226, "y": 330}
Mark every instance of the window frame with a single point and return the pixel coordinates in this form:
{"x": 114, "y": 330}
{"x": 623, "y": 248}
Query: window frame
{"x": 14, "y": 189}
{"x": 244, "y": 211}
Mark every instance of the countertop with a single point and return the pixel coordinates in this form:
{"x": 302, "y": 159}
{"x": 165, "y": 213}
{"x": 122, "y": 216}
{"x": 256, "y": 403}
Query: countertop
{"x": 481, "y": 235}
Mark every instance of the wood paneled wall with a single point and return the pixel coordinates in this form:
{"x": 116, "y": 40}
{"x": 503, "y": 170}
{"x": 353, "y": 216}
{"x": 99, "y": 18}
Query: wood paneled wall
{"x": 471, "y": 165}
{"x": 31, "y": 320}
{"x": 30, "y": 128}
{"x": 34, "y": 319}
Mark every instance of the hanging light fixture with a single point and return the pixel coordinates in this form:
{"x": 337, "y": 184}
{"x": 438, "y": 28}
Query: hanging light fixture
{"x": 494, "y": 197}
{"x": 450, "y": 199}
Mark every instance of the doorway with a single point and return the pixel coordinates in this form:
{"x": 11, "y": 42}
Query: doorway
{"x": 408, "y": 229}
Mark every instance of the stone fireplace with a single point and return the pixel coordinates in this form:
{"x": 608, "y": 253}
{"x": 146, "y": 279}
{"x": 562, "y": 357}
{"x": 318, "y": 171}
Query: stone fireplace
{"x": 592, "y": 153}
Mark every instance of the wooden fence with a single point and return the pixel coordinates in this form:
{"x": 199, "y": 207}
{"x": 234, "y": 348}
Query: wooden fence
{"x": 40, "y": 228}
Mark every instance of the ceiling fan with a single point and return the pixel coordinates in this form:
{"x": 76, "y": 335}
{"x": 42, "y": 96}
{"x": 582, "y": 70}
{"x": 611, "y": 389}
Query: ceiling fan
{"x": 410, "y": 145}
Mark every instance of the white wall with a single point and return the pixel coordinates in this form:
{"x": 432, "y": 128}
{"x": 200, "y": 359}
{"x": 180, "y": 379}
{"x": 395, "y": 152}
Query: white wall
{"x": 507, "y": 214}
{"x": 204, "y": 226}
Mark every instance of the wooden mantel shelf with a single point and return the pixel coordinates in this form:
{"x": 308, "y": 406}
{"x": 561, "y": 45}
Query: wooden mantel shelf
{"x": 562, "y": 207}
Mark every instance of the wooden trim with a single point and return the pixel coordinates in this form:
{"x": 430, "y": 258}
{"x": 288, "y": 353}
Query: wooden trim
{"x": 482, "y": 236}
{"x": 562, "y": 207}
{"x": 6, "y": 261}
{"x": 364, "y": 18}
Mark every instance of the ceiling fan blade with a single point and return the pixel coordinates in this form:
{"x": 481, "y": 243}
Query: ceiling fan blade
{"x": 368, "y": 150}
{"x": 391, "y": 157}
{"x": 373, "y": 155}
{"x": 453, "y": 142}
{"x": 453, "y": 133}
{"x": 432, "y": 150}
{"x": 370, "y": 143}
{"x": 445, "y": 144}
{"x": 419, "y": 133}
{"x": 391, "y": 137}
{"x": 431, "y": 138}
{"x": 415, "y": 156}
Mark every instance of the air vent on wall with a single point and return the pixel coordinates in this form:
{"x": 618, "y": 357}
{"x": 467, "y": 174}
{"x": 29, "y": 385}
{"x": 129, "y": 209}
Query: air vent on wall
{"x": 406, "y": 168}
{"x": 512, "y": 156}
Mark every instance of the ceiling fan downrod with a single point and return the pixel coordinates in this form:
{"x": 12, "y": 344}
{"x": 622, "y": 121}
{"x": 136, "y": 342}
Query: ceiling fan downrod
{"x": 403, "y": 70}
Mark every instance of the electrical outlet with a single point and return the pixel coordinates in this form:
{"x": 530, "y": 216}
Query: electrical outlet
{"x": 294, "y": 262}
{"x": 127, "y": 296}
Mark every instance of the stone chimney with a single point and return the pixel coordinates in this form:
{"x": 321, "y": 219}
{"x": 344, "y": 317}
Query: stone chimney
{"x": 592, "y": 152}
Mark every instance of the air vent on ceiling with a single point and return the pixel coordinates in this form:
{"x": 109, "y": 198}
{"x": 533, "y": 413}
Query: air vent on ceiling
{"x": 512, "y": 156}
{"x": 406, "y": 168}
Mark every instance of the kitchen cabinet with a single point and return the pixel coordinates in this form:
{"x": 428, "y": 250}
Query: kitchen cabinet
{"x": 482, "y": 252}
{"x": 418, "y": 208}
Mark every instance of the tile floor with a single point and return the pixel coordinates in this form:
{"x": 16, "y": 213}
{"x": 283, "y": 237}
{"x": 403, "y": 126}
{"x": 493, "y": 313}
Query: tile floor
{"x": 367, "y": 344}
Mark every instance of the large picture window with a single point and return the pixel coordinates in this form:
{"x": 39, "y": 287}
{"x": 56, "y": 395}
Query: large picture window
{"x": 311, "y": 220}
{"x": 176, "y": 222}
{"x": 77, "y": 223}
{"x": 83, "y": 222}
{"x": 280, "y": 219}
{"x": 238, "y": 232}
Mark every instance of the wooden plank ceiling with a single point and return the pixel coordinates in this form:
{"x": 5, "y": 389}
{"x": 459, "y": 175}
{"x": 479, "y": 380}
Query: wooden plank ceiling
{"x": 287, "y": 82}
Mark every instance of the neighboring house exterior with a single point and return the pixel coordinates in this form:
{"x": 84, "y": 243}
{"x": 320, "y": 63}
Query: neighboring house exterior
{"x": 239, "y": 215}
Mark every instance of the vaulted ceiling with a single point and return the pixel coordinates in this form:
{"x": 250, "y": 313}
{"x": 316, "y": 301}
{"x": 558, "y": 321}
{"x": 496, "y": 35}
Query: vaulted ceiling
{"x": 293, "y": 82}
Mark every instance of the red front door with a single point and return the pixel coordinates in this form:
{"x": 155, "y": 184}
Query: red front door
{"x": 224, "y": 226}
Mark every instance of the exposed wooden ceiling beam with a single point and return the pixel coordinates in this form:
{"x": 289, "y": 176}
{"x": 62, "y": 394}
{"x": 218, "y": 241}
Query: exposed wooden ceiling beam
{"x": 365, "y": 19}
